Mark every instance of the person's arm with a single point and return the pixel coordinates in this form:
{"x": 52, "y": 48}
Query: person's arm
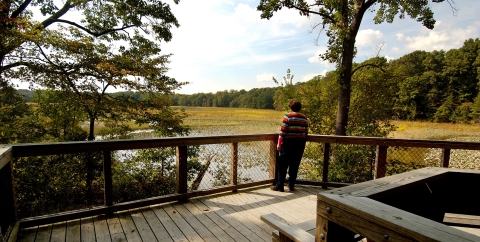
{"x": 282, "y": 134}
{"x": 279, "y": 143}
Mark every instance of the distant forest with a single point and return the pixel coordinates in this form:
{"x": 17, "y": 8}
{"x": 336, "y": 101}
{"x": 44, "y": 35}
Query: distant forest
{"x": 441, "y": 86}
{"x": 259, "y": 98}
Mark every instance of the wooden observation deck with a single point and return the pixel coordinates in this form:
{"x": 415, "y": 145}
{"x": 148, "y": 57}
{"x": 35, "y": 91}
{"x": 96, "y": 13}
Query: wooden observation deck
{"x": 226, "y": 213}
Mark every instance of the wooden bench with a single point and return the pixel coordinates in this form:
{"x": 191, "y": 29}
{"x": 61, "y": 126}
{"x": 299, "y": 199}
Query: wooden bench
{"x": 412, "y": 206}
{"x": 287, "y": 231}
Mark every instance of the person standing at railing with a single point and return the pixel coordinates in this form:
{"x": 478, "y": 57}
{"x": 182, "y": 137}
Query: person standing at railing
{"x": 291, "y": 144}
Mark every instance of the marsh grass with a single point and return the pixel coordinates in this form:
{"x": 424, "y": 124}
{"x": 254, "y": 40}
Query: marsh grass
{"x": 434, "y": 131}
{"x": 230, "y": 121}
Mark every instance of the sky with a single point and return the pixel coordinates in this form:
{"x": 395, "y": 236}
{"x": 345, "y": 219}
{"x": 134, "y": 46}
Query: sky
{"x": 224, "y": 44}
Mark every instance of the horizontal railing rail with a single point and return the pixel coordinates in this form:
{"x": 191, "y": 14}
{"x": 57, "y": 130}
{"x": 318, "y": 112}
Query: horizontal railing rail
{"x": 7, "y": 154}
{"x": 25, "y": 150}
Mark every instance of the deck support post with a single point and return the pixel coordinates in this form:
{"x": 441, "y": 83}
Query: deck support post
{"x": 107, "y": 173}
{"x": 326, "y": 159}
{"x": 8, "y": 208}
{"x": 445, "y": 157}
{"x": 327, "y": 230}
{"x": 182, "y": 185}
{"x": 273, "y": 161}
{"x": 381, "y": 162}
{"x": 234, "y": 165}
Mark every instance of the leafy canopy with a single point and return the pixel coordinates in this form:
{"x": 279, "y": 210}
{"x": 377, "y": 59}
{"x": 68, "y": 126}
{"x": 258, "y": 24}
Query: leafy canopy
{"x": 108, "y": 20}
{"x": 341, "y": 19}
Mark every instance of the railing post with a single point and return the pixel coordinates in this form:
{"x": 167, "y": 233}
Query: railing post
{"x": 326, "y": 159}
{"x": 234, "y": 165}
{"x": 8, "y": 208}
{"x": 182, "y": 186}
{"x": 273, "y": 160}
{"x": 445, "y": 157}
{"x": 381, "y": 162}
{"x": 107, "y": 173}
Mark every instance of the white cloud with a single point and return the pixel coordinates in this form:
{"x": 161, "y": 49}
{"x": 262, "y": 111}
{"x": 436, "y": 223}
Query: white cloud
{"x": 395, "y": 49}
{"x": 443, "y": 37}
{"x": 389, "y": 58}
{"x": 399, "y": 36}
{"x": 309, "y": 76}
{"x": 264, "y": 77}
{"x": 369, "y": 37}
{"x": 316, "y": 58}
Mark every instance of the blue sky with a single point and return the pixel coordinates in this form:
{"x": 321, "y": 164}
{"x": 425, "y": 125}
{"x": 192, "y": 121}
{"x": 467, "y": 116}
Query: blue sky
{"x": 223, "y": 44}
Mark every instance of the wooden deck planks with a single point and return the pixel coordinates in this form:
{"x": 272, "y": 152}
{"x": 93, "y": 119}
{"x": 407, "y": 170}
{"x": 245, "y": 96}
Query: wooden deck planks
{"x": 59, "y": 231}
{"x": 207, "y": 222}
{"x": 157, "y": 227}
{"x": 102, "y": 234}
{"x": 264, "y": 203}
{"x": 28, "y": 234}
{"x": 143, "y": 228}
{"x": 87, "y": 230}
{"x": 201, "y": 230}
{"x": 129, "y": 228}
{"x": 280, "y": 201}
{"x": 226, "y": 217}
{"x": 242, "y": 217}
{"x": 182, "y": 224}
{"x": 229, "y": 218}
{"x": 170, "y": 226}
{"x": 248, "y": 212}
{"x": 116, "y": 230}
{"x": 211, "y": 213}
{"x": 44, "y": 233}
{"x": 73, "y": 231}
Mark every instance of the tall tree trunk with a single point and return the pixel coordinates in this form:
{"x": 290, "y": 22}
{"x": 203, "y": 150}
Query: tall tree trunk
{"x": 90, "y": 162}
{"x": 91, "y": 132}
{"x": 348, "y": 50}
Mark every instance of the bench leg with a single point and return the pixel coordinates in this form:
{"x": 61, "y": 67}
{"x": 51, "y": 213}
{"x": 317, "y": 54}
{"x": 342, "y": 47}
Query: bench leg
{"x": 284, "y": 238}
{"x": 329, "y": 231}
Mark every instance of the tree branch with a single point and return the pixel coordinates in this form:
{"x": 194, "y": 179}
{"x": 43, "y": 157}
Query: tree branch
{"x": 368, "y": 64}
{"x": 13, "y": 65}
{"x": 91, "y": 32}
{"x": 52, "y": 19}
{"x": 313, "y": 12}
{"x": 20, "y": 9}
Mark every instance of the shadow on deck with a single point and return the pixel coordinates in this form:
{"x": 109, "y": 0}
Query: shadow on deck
{"x": 222, "y": 217}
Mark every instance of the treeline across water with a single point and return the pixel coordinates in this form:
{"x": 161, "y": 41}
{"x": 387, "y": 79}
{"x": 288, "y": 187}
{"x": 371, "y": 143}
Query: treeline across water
{"x": 260, "y": 98}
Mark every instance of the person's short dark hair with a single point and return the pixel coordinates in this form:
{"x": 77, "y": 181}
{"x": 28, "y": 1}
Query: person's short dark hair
{"x": 295, "y": 105}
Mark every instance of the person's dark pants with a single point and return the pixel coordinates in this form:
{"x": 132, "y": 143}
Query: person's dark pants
{"x": 290, "y": 157}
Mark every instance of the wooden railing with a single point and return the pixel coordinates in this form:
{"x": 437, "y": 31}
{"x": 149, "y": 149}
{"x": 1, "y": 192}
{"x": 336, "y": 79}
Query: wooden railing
{"x": 8, "y": 153}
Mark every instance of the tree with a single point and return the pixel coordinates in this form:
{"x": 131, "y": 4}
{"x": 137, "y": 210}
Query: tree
{"x": 96, "y": 68}
{"x": 18, "y": 122}
{"x": 60, "y": 118}
{"x": 106, "y": 19}
{"x": 341, "y": 19}
{"x": 285, "y": 92}
{"x": 81, "y": 68}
